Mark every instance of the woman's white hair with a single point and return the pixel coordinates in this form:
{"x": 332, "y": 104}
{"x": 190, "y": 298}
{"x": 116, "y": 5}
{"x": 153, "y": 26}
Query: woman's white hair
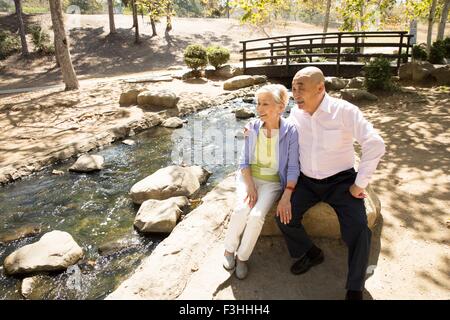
{"x": 278, "y": 92}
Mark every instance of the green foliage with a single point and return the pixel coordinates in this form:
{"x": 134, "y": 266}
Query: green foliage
{"x": 41, "y": 40}
{"x": 437, "y": 52}
{"x": 259, "y": 12}
{"x": 9, "y": 44}
{"x": 358, "y": 15}
{"x": 349, "y": 58}
{"x": 378, "y": 74}
{"x": 6, "y": 5}
{"x": 86, "y": 6}
{"x": 298, "y": 59}
{"x": 446, "y": 45}
{"x": 195, "y": 56}
{"x": 217, "y": 56}
{"x": 419, "y": 52}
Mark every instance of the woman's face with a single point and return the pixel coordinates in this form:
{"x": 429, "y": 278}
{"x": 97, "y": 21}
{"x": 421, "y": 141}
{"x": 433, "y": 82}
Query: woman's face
{"x": 267, "y": 108}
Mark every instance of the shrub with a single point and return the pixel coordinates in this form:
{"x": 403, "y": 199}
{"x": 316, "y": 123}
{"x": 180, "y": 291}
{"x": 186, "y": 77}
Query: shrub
{"x": 350, "y": 58}
{"x": 9, "y": 44}
{"x": 437, "y": 52}
{"x": 298, "y": 59}
{"x": 331, "y": 50}
{"x": 446, "y": 44}
{"x": 195, "y": 56}
{"x": 378, "y": 74}
{"x": 419, "y": 52}
{"x": 41, "y": 40}
{"x": 217, "y": 56}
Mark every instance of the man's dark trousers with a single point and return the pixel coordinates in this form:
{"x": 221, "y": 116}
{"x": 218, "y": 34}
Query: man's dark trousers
{"x": 352, "y": 217}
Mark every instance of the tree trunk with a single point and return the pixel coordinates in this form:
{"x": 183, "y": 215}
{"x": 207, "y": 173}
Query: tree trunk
{"x": 430, "y": 24}
{"x": 440, "y": 35}
{"x": 152, "y": 21}
{"x": 135, "y": 22}
{"x": 361, "y": 15}
{"x": 23, "y": 39}
{"x": 169, "y": 17}
{"x": 62, "y": 46}
{"x": 327, "y": 19}
{"x": 112, "y": 27}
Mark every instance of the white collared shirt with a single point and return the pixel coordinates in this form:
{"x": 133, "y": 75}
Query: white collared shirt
{"x": 326, "y": 140}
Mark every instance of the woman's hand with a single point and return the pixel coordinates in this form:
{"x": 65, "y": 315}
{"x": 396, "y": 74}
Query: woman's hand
{"x": 252, "y": 194}
{"x": 284, "y": 210}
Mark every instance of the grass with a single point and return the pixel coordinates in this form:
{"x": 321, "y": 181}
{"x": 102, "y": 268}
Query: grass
{"x": 35, "y": 10}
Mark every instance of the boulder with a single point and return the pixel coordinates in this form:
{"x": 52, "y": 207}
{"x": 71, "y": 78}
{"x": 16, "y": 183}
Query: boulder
{"x": 173, "y": 122}
{"x": 129, "y": 142}
{"x": 161, "y": 98}
{"x": 357, "y": 95}
{"x": 56, "y": 250}
{"x": 321, "y": 220}
{"x": 417, "y": 71}
{"x": 159, "y": 215}
{"x": 169, "y": 182}
{"x": 88, "y": 163}
{"x": 442, "y": 75}
{"x": 356, "y": 83}
{"x": 243, "y": 81}
{"x": 244, "y": 113}
{"x": 129, "y": 97}
{"x": 335, "y": 83}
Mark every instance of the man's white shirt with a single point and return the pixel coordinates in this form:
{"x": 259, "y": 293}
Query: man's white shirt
{"x": 326, "y": 140}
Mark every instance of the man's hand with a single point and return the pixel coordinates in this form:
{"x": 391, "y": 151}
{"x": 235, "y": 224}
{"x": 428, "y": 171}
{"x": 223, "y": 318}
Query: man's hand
{"x": 357, "y": 192}
{"x": 284, "y": 210}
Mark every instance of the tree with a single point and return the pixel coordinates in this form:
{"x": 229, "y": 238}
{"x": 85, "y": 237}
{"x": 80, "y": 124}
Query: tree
{"x": 62, "y": 46}
{"x": 327, "y": 19}
{"x": 430, "y": 24}
{"x": 156, "y": 9}
{"x": 112, "y": 27}
{"x": 135, "y": 21}
{"x": 444, "y": 16}
{"x": 169, "y": 14}
{"x": 23, "y": 39}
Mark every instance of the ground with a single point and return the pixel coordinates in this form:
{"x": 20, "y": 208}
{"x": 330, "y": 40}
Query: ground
{"x": 410, "y": 250}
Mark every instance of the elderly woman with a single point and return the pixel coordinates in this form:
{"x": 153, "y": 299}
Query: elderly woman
{"x": 269, "y": 167}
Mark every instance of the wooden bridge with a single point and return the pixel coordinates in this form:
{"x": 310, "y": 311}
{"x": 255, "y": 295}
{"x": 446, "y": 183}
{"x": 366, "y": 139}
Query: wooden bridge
{"x": 336, "y": 53}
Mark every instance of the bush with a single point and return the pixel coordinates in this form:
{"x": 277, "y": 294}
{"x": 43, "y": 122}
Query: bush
{"x": 298, "y": 59}
{"x": 217, "y": 56}
{"x": 350, "y": 58}
{"x": 195, "y": 56}
{"x": 437, "y": 52}
{"x": 9, "y": 44}
{"x": 378, "y": 74}
{"x": 446, "y": 44}
{"x": 41, "y": 40}
{"x": 419, "y": 52}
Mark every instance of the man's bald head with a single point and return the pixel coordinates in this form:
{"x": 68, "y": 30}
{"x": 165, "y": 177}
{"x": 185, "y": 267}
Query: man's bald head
{"x": 313, "y": 73}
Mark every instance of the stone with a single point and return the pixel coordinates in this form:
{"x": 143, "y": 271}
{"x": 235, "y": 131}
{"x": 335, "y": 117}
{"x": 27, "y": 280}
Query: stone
{"x": 160, "y": 215}
{"x": 357, "y": 95}
{"x": 244, "y": 113}
{"x": 442, "y": 75}
{"x": 160, "y": 98}
{"x": 20, "y": 233}
{"x": 129, "y": 142}
{"x": 173, "y": 122}
{"x": 335, "y": 83}
{"x": 243, "y": 81}
{"x": 416, "y": 71}
{"x": 169, "y": 182}
{"x": 129, "y": 97}
{"x": 88, "y": 163}
{"x": 120, "y": 245}
{"x": 356, "y": 83}
{"x": 56, "y": 250}
{"x": 58, "y": 172}
{"x": 27, "y": 286}
{"x": 321, "y": 220}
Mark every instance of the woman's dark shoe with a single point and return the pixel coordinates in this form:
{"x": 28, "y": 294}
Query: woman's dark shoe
{"x": 353, "y": 295}
{"x": 306, "y": 262}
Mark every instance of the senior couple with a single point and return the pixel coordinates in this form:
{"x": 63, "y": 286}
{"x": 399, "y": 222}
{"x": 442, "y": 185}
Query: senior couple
{"x": 300, "y": 161}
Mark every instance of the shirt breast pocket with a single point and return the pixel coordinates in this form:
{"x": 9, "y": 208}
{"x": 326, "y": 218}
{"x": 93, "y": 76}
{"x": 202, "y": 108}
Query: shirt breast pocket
{"x": 332, "y": 139}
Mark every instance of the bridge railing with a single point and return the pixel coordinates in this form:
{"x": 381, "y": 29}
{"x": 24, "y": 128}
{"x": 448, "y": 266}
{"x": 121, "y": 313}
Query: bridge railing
{"x": 330, "y": 45}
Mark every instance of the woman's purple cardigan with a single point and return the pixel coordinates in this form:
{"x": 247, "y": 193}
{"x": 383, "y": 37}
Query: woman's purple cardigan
{"x": 288, "y": 150}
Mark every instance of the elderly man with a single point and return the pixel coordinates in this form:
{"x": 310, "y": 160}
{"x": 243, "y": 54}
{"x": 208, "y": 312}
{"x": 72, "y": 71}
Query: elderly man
{"x": 326, "y": 128}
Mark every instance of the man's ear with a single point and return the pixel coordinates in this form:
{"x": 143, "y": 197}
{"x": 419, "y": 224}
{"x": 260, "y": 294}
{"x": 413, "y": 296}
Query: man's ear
{"x": 321, "y": 87}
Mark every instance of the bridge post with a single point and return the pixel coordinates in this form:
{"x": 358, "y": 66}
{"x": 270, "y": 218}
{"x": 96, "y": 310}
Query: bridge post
{"x": 271, "y": 53}
{"x": 400, "y": 52}
{"x": 407, "y": 49}
{"x": 244, "y": 56}
{"x": 338, "y": 59}
{"x": 287, "y": 52}
{"x": 310, "y": 49}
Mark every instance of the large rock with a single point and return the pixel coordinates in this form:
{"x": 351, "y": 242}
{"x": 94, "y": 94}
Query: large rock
{"x": 160, "y": 215}
{"x": 335, "y": 83}
{"x": 357, "y": 95}
{"x": 321, "y": 220}
{"x": 356, "y": 83}
{"x": 416, "y": 71}
{"x": 88, "y": 163}
{"x": 442, "y": 75}
{"x": 244, "y": 113}
{"x": 169, "y": 182}
{"x": 160, "y": 98}
{"x": 243, "y": 81}
{"x": 129, "y": 97}
{"x": 56, "y": 250}
{"x": 173, "y": 122}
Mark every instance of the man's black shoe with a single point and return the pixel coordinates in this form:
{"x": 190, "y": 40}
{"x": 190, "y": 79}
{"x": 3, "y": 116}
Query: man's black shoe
{"x": 354, "y": 295}
{"x": 305, "y": 263}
